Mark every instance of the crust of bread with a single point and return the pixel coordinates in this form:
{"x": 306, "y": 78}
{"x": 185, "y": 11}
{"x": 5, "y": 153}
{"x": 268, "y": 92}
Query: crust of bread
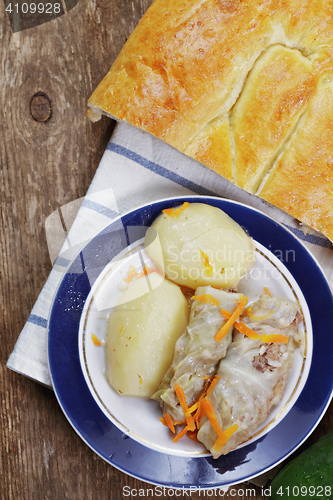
{"x": 231, "y": 83}
{"x": 212, "y": 147}
{"x": 301, "y": 182}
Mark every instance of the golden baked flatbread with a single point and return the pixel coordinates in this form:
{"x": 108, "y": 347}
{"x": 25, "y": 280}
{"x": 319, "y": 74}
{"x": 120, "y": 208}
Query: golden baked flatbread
{"x": 243, "y": 86}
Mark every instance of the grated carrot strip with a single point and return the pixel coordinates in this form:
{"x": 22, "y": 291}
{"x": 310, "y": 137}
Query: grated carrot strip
{"x": 234, "y": 316}
{"x": 245, "y": 330}
{"x": 95, "y": 340}
{"x": 183, "y": 404}
{"x": 133, "y": 273}
{"x": 231, "y": 430}
{"x": 222, "y": 436}
{"x": 207, "y": 264}
{"x": 174, "y": 212}
{"x": 162, "y": 420}
{"x": 192, "y": 408}
{"x": 182, "y": 208}
{"x": 197, "y": 414}
{"x": 212, "y": 385}
{"x": 209, "y": 411}
{"x": 169, "y": 422}
{"x": 207, "y": 299}
{"x": 220, "y": 443}
{"x": 241, "y": 327}
{"x": 180, "y": 434}
{"x": 193, "y": 435}
{"x": 274, "y": 337}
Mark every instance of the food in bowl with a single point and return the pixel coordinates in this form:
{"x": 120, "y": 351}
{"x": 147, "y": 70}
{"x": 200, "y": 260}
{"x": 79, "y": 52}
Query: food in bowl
{"x": 142, "y": 330}
{"x": 197, "y": 353}
{"x": 197, "y": 244}
{"x": 228, "y": 365}
{"x": 253, "y": 375}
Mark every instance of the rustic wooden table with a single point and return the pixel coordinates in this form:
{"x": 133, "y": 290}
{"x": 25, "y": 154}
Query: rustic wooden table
{"x": 49, "y": 152}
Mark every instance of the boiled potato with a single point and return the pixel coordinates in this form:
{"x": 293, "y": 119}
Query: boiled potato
{"x": 143, "y": 328}
{"x": 198, "y": 245}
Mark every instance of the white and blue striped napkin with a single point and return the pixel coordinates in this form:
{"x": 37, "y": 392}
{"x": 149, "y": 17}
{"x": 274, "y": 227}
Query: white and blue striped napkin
{"x": 135, "y": 169}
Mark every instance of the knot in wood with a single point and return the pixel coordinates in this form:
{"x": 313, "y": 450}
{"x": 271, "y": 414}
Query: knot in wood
{"x": 40, "y": 107}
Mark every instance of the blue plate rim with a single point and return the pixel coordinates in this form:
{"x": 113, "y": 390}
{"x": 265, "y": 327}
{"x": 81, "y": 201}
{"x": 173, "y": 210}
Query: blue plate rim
{"x": 210, "y": 481}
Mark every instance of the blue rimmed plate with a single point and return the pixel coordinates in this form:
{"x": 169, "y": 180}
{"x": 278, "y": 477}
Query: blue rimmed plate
{"x": 156, "y": 465}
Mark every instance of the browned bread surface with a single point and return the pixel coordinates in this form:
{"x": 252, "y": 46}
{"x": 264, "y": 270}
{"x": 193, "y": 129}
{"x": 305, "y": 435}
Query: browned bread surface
{"x": 243, "y": 86}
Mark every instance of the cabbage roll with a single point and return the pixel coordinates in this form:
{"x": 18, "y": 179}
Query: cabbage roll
{"x": 253, "y": 375}
{"x": 197, "y": 353}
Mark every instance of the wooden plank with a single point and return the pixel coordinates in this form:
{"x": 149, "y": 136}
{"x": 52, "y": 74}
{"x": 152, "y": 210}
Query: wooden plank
{"x": 48, "y": 155}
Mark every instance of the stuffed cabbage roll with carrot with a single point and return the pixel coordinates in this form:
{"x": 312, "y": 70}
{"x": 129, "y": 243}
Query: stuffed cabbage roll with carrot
{"x": 252, "y": 376}
{"x": 197, "y": 352}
